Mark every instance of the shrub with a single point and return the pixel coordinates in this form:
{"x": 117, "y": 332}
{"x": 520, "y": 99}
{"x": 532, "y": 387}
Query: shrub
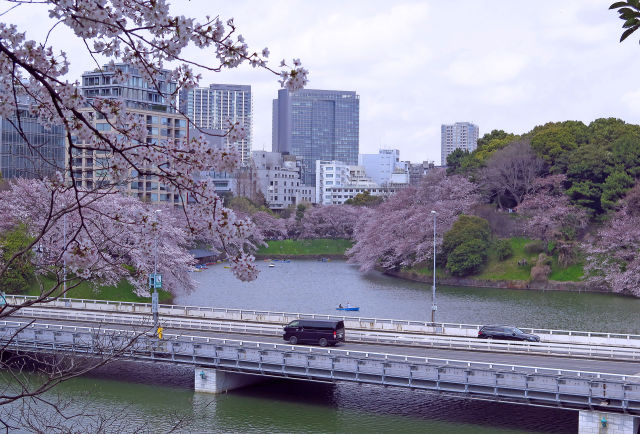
{"x": 503, "y": 249}
{"x": 467, "y": 258}
{"x": 534, "y": 247}
{"x": 466, "y": 228}
{"x": 465, "y": 246}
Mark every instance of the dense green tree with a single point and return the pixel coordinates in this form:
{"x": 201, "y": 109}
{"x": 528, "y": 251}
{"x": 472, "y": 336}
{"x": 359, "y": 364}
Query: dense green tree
{"x": 588, "y": 168}
{"x": 466, "y": 244}
{"x": 604, "y": 131}
{"x": 493, "y": 135}
{"x": 554, "y": 139}
{"x": 626, "y": 154}
{"x": 364, "y": 199}
{"x": 455, "y": 161}
{"x": 468, "y": 258}
{"x": 614, "y": 188}
{"x": 20, "y": 273}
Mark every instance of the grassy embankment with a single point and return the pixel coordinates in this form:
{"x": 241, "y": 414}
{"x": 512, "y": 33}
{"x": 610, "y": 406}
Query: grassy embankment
{"x": 122, "y": 292}
{"x": 510, "y": 270}
{"x": 317, "y": 247}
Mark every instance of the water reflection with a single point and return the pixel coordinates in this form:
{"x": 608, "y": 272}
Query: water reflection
{"x": 163, "y": 403}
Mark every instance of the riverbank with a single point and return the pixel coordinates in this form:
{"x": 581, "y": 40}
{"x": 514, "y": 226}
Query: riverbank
{"x": 305, "y": 249}
{"x": 504, "y": 284}
{"x": 121, "y": 292}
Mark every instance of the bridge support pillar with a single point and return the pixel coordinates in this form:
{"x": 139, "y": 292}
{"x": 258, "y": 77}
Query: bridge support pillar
{"x": 211, "y": 380}
{"x": 600, "y": 422}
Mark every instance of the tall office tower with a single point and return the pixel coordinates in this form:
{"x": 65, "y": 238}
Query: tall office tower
{"x": 155, "y": 106}
{"x": 39, "y": 156}
{"x": 317, "y": 125}
{"x": 211, "y": 107}
{"x": 461, "y": 135}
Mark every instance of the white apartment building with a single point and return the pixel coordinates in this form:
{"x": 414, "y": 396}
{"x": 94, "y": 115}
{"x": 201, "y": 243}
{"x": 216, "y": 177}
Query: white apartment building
{"x": 336, "y": 182}
{"x": 385, "y": 167}
{"x": 278, "y": 177}
{"x": 461, "y": 135}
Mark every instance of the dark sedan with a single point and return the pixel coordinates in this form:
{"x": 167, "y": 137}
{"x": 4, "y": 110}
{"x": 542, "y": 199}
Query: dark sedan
{"x": 507, "y": 333}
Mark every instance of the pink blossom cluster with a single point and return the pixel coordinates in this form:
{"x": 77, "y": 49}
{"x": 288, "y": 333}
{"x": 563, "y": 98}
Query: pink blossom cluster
{"x": 399, "y": 232}
{"x": 104, "y": 232}
{"x": 332, "y": 221}
{"x": 612, "y": 255}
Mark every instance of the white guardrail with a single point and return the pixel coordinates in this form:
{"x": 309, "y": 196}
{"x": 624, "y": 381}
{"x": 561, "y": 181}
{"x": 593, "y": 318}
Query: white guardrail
{"x": 351, "y": 323}
{"x": 360, "y": 336}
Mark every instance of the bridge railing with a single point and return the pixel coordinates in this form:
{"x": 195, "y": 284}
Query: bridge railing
{"x": 354, "y": 323}
{"x": 362, "y": 336}
{"x": 495, "y": 381}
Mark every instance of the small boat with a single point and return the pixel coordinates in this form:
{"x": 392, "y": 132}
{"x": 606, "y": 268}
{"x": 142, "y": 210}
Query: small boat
{"x": 271, "y": 265}
{"x": 350, "y": 308}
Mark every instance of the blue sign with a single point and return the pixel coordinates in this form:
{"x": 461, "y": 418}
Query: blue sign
{"x": 155, "y": 281}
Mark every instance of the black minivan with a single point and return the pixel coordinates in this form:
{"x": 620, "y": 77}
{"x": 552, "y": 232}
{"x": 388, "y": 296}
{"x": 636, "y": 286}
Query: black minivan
{"x": 507, "y": 333}
{"x": 313, "y": 331}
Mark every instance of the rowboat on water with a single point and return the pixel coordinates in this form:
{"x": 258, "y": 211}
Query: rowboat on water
{"x": 348, "y": 307}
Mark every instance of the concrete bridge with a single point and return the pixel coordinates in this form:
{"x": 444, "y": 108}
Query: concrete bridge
{"x": 603, "y": 387}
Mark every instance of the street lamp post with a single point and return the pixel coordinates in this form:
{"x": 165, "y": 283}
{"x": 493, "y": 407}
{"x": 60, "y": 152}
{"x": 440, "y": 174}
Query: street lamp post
{"x": 154, "y": 295}
{"x": 434, "y": 307}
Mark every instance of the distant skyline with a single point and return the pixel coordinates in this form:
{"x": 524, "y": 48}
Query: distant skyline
{"x": 419, "y": 64}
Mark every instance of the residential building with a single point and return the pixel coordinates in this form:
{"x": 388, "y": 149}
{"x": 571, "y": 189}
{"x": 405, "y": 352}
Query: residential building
{"x": 211, "y": 107}
{"x": 39, "y": 156}
{"x": 278, "y": 177}
{"x": 461, "y": 135}
{"x": 316, "y": 125}
{"x": 155, "y": 105}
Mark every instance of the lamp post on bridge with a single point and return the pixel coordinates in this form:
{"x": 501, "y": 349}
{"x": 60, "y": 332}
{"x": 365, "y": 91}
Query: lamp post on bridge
{"x": 155, "y": 280}
{"x": 434, "y": 307}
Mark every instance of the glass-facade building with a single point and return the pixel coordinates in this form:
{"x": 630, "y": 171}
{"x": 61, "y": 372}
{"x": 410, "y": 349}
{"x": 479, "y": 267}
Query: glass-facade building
{"x": 211, "y": 107}
{"x": 39, "y": 156}
{"x": 317, "y": 125}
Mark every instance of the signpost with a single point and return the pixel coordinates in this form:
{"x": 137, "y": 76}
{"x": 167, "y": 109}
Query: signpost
{"x": 155, "y": 283}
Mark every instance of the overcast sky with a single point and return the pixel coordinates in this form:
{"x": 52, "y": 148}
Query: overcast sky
{"x": 507, "y": 65}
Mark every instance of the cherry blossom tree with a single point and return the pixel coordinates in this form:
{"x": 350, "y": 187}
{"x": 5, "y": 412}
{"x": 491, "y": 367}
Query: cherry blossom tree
{"x": 612, "y": 255}
{"x": 399, "y": 232}
{"x": 330, "y": 221}
{"x": 106, "y": 231}
{"x": 271, "y": 227}
{"x": 145, "y": 35}
{"x": 549, "y": 211}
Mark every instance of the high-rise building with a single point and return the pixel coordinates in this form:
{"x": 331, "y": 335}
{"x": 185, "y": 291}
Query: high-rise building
{"x": 39, "y": 156}
{"x": 317, "y": 125}
{"x": 155, "y": 105}
{"x": 461, "y": 135}
{"x": 211, "y": 107}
